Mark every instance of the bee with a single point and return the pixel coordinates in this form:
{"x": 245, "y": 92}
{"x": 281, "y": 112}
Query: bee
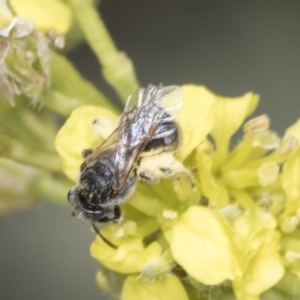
{"x": 141, "y": 147}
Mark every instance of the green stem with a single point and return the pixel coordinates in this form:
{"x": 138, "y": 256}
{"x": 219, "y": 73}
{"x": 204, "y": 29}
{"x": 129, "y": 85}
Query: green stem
{"x": 70, "y": 90}
{"x": 117, "y": 68}
{"x": 241, "y": 178}
{"x": 22, "y": 186}
{"x": 12, "y": 149}
{"x": 239, "y": 155}
{"x": 28, "y": 126}
{"x": 59, "y": 103}
{"x": 52, "y": 187}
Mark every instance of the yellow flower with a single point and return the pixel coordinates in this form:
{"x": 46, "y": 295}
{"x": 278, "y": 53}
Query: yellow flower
{"x": 168, "y": 287}
{"x": 45, "y": 14}
{"x": 258, "y": 242}
{"x": 201, "y": 242}
{"x": 131, "y": 255}
{"x": 197, "y": 117}
{"x": 228, "y": 226}
{"x": 291, "y": 174}
{"x": 77, "y": 134}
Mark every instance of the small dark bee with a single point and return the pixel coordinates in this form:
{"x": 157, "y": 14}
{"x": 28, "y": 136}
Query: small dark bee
{"x": 141, "y": 147}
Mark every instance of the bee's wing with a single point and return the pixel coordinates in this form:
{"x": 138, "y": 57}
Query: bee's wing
{"x": 142, "y": 115}
{"x": 169, "y": 98}
{"x": 108, "y": 146}
{"x": 134, "y": 100}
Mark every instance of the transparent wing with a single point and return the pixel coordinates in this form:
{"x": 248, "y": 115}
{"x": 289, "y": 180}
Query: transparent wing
{"x": 134, "y": 100}
{"x": 169, "y": 98}
{"x": 143, "y": 113}
{"x": 110, "y": 145}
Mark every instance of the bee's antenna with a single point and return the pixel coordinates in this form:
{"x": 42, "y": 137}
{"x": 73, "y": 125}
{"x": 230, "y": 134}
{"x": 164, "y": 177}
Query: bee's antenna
{"x": 104, "y": 239}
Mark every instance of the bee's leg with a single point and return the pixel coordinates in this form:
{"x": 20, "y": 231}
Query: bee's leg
{"x": 115, "y": 218}
{"x": 117, "y": 213}
{"x": 147, "y": 176}
{"x": 105, "y": 240}
{"x": 104, "y": 127}
{"x": 86, "y": 152}
{"x": 162, "y": 165}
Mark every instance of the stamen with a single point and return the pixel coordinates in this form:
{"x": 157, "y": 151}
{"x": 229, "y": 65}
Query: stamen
{"x": 169, "y": 214}
{"x": 266, "y": 139}
{"x": 268, "y": 173}
{"x": 290, "y": 143}
{"x": 167, "y": 217}
{"x": 257, "y": 124}
{"x": 231, "y": 212}
{"x": 292, "y": 257}
{"x": 289, "y": 224}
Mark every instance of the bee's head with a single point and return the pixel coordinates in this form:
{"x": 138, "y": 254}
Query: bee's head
{"x": 94, "y": 197}
{"x": 89, "y": 211}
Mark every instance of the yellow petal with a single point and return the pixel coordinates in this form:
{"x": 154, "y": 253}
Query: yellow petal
{"x": 45, "y": 14}
{"x": 290, "y": 179}
{"x": 294, "y": 131}
{"x": 231, "y": 114}
{"x": 208, "y": 184}
{"x": 5, "y": 13}
{"x": 167, "y": 288}
{"x": 202, "y": 243}
{"x": 196, "y": 118}
{"x": 265, "y": 268}
{"x": 251, "y": 222}
{"x": 259, "y": 244}
{"x": 157, "y": 267}
{"x": 76, "y": 135}
{"x": 130, "y": 256}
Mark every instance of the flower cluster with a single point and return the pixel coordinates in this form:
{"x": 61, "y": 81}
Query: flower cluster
{"x": 233, "y": 233}
{"x": 236, "y": 229}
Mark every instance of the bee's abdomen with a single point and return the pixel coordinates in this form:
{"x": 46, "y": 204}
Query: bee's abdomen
{"x": 165, "y": 138}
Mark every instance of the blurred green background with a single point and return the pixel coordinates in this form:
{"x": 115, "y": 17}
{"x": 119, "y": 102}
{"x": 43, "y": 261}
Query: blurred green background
{"x": 229, "y": 46}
